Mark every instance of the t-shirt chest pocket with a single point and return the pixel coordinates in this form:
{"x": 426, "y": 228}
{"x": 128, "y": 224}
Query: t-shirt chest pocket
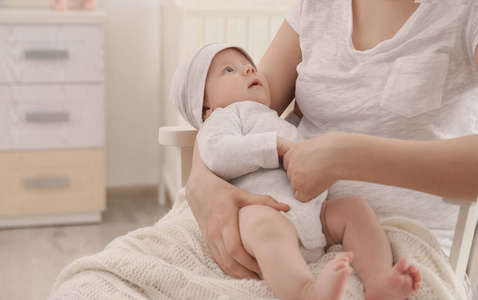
{"x": 415, "y": 85}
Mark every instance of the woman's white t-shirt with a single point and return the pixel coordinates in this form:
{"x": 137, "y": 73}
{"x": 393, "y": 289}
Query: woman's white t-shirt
{"x": 420, "y": 85}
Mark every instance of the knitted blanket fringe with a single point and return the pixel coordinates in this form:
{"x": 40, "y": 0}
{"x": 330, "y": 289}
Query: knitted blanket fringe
{"x": 170, "y": 260}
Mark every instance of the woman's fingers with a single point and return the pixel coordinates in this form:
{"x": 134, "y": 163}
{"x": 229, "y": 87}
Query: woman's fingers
{"x": 238, "y": 260}
{"x": 224, "y": 255}
{"x": 224, "y": 241}
{"x": 234, "y": 259}
{"x": 286, "y": 160}
{"x": 219, "y": 254}
{"x": 255, "y": 199}
{"x": 283, "y": 146}
{"x": 289, "y": 169}
{"x": 312, "y": 164}
{"x": 216, "y": 256}
{"x": 292, "y": 163}
{"x": 232, "y": 267}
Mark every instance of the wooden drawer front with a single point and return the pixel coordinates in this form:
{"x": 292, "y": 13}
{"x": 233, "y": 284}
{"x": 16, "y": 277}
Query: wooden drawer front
{"x": 51, "y": 53}
{"x": 51, "y": 117}
{"x": 52, "y": 182}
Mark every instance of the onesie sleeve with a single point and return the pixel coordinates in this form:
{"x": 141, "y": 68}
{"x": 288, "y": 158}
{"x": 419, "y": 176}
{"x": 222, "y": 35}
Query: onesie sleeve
{"x": 229, "y": 153}
{"x": 294, "y": 14}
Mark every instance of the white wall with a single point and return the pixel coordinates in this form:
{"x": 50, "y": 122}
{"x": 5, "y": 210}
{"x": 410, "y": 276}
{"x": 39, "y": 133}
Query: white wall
{"x": 132, "y": 88}
{"x": 132, "y": 42}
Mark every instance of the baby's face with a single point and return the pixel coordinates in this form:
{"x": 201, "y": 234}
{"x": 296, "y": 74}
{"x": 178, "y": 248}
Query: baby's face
{"x": 231, "y": 78}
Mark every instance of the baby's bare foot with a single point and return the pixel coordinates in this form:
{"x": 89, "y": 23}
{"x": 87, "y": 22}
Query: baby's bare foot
{"x": 395, "y": 284}
{"x": 330, "y": 283}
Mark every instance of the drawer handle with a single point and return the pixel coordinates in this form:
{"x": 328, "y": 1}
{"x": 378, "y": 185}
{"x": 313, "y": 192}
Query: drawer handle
{"x": 53, "y": 182}
{"x": 47, "y": 117}
{"x": 46, "y": 54}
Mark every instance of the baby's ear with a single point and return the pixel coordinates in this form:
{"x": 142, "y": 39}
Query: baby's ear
{"x": 206, "y": 112}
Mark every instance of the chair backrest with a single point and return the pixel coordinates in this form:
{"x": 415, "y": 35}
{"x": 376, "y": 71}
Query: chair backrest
{"x": 464, "y": 252}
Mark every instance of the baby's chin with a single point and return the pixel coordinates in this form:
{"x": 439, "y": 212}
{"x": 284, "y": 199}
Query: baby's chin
{"x": 265, "y": 101}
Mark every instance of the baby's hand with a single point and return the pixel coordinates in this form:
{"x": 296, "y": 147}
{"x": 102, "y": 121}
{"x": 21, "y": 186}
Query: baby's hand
{"x": 206, "y": 114}
{"x": 283, "y": 146}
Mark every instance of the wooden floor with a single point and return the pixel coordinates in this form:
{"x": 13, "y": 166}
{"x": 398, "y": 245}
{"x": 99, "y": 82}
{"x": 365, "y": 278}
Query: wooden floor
{"x": 32, "y": 258}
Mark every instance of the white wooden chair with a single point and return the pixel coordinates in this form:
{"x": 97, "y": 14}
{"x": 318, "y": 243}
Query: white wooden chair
{"x": 464, "y": 252}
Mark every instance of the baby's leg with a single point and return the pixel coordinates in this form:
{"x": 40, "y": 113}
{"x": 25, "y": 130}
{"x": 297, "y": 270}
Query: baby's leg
{"x": 351, "y": 222}
{"x": 272, "y": 239}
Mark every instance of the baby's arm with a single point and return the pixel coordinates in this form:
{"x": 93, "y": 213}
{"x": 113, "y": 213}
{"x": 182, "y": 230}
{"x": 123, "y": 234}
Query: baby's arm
{"x": 230, "y": 154}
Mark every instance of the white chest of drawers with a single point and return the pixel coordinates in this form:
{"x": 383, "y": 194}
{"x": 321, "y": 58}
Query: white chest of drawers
{"x": 52, "y": 117}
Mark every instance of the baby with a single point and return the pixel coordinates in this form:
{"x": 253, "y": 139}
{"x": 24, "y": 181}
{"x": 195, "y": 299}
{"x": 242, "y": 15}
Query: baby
{"x": 219, "y": 91}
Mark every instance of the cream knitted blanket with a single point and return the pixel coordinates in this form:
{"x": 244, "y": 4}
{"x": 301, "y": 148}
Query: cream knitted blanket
{"x": 170, "y": 260}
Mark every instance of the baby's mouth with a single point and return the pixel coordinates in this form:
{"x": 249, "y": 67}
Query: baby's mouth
{"x": 254, "y": 83}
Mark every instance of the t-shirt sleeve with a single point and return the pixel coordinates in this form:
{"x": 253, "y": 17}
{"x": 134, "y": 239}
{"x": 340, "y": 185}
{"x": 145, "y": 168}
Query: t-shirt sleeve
{"x": 294, "y": 14}
{"x": 474, "y": 27}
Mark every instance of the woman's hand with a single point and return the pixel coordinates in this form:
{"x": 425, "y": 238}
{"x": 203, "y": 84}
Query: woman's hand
{"x": 446, "y": 168}
{"x": 215, "y": 204}
{"x": 283, "y": 146}
{"x": 314, "y": 165}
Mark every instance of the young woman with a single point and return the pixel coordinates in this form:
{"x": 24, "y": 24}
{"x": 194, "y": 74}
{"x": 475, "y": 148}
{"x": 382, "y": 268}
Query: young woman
{"x": 389, "y": 92}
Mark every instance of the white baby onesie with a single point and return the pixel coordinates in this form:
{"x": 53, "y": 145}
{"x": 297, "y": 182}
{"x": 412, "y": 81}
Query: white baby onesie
{"x": 239, "y": 144}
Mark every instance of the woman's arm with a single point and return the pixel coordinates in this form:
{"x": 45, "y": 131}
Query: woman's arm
{"x": 279, "y": 65}
{"x": 447, "y": 168}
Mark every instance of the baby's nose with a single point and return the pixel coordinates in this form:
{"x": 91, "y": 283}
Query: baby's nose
{"x": 249, "y": 69}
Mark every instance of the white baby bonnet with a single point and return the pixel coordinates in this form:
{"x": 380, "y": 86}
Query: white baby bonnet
{"x": 189, "y": 81}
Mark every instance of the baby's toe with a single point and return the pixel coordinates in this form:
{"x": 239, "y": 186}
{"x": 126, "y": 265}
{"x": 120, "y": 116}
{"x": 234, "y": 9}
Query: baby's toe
{"x": 402, "y": 265}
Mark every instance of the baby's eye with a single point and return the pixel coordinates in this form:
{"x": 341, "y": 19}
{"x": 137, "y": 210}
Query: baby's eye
{"x": 227, "y": 70}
